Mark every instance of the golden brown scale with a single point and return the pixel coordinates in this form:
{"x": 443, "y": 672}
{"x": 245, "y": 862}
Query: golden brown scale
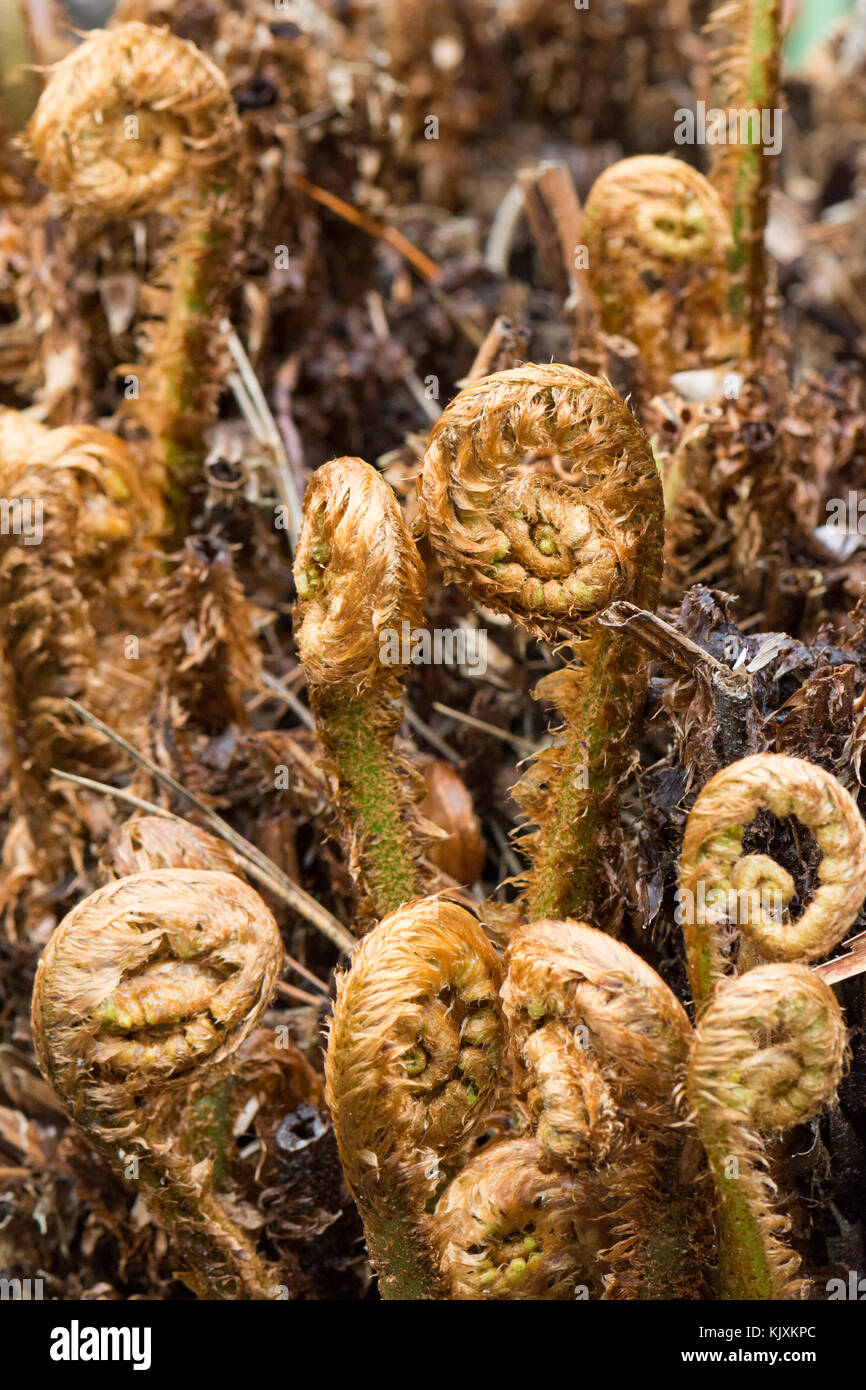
{"x": 658, "y": 239}
{"x": 145, "y": 989}
{"x": 568, "y": 1098}
{"x": 745, "y": 507}
{"x": 358, "y": 574}
{"x": 540, "y": 496}
{"x": 206, "y": 658}
{"x": 86, "y": 151}
{"x": 412, "y": 1071}
{"x": 102, "y": 479}
{"x": 750, "y": 892}
{"x": 569, "y": 972}
{"x": 101, "y": 958}
{"x": 267, "y": 1073}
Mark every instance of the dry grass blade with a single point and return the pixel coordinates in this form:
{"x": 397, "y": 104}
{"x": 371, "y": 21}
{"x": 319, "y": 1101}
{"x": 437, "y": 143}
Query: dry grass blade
{"x": 258, "y": 864}
{"x": 524, "y": 746}
{"x": 121, "y": 794}
{"x": 417, "y": 723}
{"x": 276, "y": 687}
{"x": 422, "y": 264}
{"x": 252, "y": 401}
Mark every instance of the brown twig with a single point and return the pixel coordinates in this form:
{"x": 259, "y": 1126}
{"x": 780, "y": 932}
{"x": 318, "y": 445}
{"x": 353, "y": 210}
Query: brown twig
{"x": 504, "y": 346}
{"x": 426, "y": 268}
{"x": 732, "y": 690}
{"x": 555, "y": 219}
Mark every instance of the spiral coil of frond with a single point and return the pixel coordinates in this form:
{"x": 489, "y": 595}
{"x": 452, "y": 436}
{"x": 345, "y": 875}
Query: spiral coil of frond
{"x": 506, "y": 1228}
{"x": 658, "y": 242}
{"x": 601, "y": 1046}
{"x": 412, "y": 1070}
{"x": 751, "y": 891}
{"x": 542, "y": 498}
{"x": 147, "y": 986}
{"x": 135, "y": 119}
{"x": 769, "y": 1052}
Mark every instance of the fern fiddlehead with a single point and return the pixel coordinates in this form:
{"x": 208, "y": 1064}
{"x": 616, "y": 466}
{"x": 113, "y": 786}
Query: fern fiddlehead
{"x": 721, "y": 887}
{"x": 74, "y": 568}
{"x": 601, "y": 1046}
{"x": 542, "y": 498}
{"x": 133, "y": 120}
{"x": 412, "y": 1070}
{"x": 145, "y": 988}
{"x": 658, "y": 241}
{"x": 360, "y": 579}
{"x": 769, "y": 1052}
{"x": 506, "y": 1228}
